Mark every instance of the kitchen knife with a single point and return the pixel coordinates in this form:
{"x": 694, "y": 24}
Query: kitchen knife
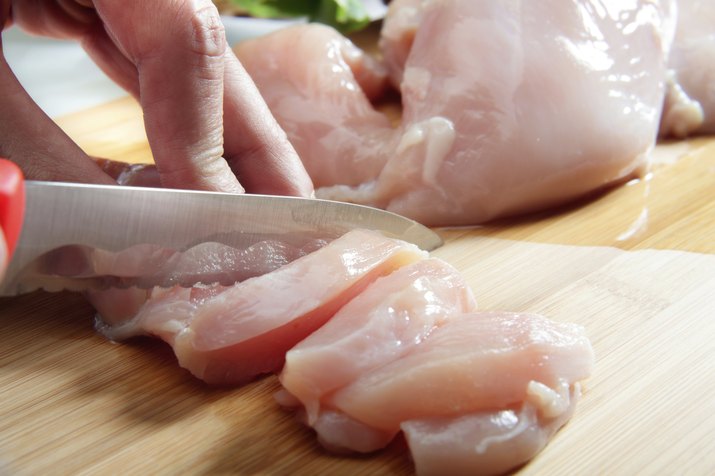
{"x": 66, "y": 225}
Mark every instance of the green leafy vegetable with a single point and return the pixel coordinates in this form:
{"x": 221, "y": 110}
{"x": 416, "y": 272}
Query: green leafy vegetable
{"x": 344, "y": 15}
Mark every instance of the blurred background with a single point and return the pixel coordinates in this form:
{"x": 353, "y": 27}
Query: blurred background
{"x": 62, "y": 79}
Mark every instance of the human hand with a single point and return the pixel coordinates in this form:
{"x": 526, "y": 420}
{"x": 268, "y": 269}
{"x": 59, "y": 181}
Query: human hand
{"x": 205, "y": 120}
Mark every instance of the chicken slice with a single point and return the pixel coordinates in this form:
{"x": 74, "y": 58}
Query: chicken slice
{"x": 146, "y": 265}
{"x": 228, "y": 335}
{"x": 489, "y": 442}
{"x": 480, "y": 361}
{"x": 72, "y": 266}
{"x": 474, "y": 393}
{"x": 386, "y": 321}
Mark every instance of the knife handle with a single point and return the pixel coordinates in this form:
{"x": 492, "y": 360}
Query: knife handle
{"x": 12, "y": 202}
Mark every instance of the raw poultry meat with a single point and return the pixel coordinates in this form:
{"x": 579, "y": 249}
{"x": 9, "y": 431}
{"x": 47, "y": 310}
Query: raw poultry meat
{"x": 319, "y": 87}
{"x": 137, "y": 269}
{"x": 392, "y": 316}
{"x": 488, "y": 442}
{"x": 690, "y": 99}
{"x": 505, "y": 109}
{"x": 398, "y": 34}
{"x": 442, "y": 381}
{"x": 377, "y": 338}
{"x": 70, "y": 267}
{"x": 481, "y": 393}
{"x": 228, "y": 335}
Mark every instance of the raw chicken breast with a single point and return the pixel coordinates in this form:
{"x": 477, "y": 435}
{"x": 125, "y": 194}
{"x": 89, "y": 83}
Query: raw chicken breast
{"x": 690, "y": 101}
{"x": 398, "y": 34}
{"x": 392, "y": 316}
{"x": 509, "y": 107}
{"x": 475, "y": 393}
{"x": 318, "y": 85}
{"x": 140, "y": 267}
{"x": 484, "y": 443}
{"x": 532, "y": 110}
{"x": 377, "y": 338}
{"x": 228, "y": 335}
{"x": 480, "y": 361}
{"x": 145, "y": 266}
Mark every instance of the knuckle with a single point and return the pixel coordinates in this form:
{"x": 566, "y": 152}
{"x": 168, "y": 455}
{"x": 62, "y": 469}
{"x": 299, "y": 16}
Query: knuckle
{"x": 206, "y": 31}
{"x": 207, "y": 171}
{"x": 198, "y": 158}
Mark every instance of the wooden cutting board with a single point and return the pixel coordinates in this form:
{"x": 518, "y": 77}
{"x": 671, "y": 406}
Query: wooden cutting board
{"x": 72, "y": 402}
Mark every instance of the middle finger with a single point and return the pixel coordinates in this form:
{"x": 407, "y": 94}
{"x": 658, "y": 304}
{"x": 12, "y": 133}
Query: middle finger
{"x": 178, "y": 49}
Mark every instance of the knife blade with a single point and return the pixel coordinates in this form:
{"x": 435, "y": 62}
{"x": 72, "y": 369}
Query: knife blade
{"x": 67, "y": 224}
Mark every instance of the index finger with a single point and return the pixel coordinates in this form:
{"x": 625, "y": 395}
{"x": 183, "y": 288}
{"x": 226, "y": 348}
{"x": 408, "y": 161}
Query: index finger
{"x": 178, "y": 48}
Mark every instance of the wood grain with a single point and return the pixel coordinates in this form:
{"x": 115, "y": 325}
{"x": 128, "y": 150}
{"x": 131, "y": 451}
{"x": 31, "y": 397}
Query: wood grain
{"x": 73, "y": 403}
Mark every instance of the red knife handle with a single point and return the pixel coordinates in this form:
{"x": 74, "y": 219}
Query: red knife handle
{"x": 12, "y": 202}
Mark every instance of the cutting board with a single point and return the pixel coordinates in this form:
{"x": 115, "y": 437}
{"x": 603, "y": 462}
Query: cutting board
{"x": 635, "y": 265}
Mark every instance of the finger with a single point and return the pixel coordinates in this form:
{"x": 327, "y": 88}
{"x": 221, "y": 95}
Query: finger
{"x": 104, "y": 52}
{"x": 56, "y": 18}
{"x": 178, "y": 48}
{"x": 256, "y": 147}
{"x": 32, "y": 140}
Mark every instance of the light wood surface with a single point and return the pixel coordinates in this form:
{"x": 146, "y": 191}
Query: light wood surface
{"x": 73, "y": 403}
